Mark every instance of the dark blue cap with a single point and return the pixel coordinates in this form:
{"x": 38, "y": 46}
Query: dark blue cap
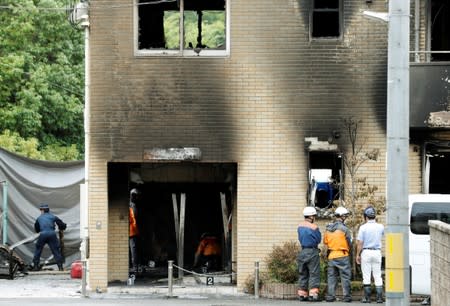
{"x": 43, "y": 206}
{"x": 369, "y": 212}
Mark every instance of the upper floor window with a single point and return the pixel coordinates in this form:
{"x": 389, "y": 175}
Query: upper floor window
{"x": 182, "y": 27}
{"x": 326, "y": 19}
{"x": 440, "y": 30}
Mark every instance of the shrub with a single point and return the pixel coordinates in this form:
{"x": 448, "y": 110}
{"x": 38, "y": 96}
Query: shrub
{"x": 282, "y": 263}
{"x": 249, "y": 284}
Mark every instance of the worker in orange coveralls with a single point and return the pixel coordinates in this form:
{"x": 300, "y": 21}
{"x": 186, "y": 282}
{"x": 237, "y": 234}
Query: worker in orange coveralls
{"x": 208, "y": 253}
{"x": 134, "y": 231}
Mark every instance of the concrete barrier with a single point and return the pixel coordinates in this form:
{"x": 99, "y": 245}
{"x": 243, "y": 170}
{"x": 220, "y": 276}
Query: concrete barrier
{"x": 440, "y": 262}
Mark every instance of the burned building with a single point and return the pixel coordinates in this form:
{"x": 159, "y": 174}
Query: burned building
{"x": 219, "y": 110}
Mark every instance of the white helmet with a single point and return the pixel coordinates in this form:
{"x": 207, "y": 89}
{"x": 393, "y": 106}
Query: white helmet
{"x": 135, "y": 191}
{"x": 309, "y": 211}
{"x": 341, "y": 211}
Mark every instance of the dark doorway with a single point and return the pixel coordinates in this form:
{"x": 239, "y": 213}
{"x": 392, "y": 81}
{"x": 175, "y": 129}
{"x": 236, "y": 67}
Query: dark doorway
{"x": 203, "y": 213}
{"x": 208, "y": 190}
{"x": 438, "y": 157}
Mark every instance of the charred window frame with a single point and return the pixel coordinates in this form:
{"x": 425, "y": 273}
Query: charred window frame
{"x": 326, "y": 19}
{"x": 182, "y": 27}
{"x": 325, "y": 174}
{"x": 439, "y": 30}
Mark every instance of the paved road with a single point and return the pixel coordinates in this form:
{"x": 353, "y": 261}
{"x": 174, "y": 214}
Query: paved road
{"x": 186, "y": 301}
{"x": 59, "y": 289}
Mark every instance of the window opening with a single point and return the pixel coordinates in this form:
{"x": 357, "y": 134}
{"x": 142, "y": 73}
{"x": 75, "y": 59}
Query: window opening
{"x": 437, "y": 164}
{"x": 325, "y": 175}
{"x": 422, "y": 212}
{"x": 202, "y": 24}
{"x": 326, "y": 19}
{"x": 440, "y": 29}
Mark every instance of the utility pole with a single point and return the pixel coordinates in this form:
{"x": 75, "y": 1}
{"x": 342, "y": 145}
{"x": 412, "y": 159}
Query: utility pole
{"x": 397, "y": 241}
{"x": 80, "y": 18}
{"x": 398, "y": 280}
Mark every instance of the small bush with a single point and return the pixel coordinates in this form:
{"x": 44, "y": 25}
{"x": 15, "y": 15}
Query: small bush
{"x": 282, "y": 263}
{"x": 249, "y": 284}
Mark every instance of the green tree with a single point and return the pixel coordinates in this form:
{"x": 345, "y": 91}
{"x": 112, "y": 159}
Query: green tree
{"x": 213, "y": 29}
{"x": 41, "y": 80}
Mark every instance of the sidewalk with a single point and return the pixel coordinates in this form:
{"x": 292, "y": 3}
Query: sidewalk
{"x": 57, "y": 284}
{"x": 41, "y": 284}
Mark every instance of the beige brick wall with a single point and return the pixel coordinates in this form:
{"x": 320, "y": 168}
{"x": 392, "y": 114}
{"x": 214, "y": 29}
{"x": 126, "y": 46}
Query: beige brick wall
{"x": 415, "y": 169}
{"x": 254, "y": 108}
{"x": 118, "y": 241}
{"x": 440, "y": 261}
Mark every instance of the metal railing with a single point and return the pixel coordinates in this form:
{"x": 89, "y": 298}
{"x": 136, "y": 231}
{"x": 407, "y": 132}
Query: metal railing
{"x": 170, "y": 278}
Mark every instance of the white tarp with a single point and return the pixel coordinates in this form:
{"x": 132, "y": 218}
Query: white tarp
{"x": 31, "y": 182}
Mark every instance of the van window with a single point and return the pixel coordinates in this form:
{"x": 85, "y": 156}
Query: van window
{"x": 422, "y": 212}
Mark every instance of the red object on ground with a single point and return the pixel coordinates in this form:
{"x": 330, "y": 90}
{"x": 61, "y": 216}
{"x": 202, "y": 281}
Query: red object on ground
{"x": 76, "y": 269}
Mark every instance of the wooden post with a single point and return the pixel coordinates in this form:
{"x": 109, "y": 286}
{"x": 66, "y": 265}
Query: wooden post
{"x": 225, "y": 222}
{"x": 175, "y": 217}
{"x": 181, "y": 235}
{"x": 177, "y": 225}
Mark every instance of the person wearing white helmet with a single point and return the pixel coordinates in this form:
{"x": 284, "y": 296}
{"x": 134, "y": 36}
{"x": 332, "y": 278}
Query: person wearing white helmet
{"x": 368, "y": 254}
{"x": 338, "y": 241}
{"x": 308, "y": 259}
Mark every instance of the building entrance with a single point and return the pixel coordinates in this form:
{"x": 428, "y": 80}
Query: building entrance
{"x": 178, "y": 203}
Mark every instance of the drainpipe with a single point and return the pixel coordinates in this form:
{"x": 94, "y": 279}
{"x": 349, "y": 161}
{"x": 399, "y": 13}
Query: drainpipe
{"x": 5, "y": 211}
{"x": 80, "y": 18}
{"x": 181, "y": 24}
{"x": 87, "y": 140}
{"x": 416, "y": 30}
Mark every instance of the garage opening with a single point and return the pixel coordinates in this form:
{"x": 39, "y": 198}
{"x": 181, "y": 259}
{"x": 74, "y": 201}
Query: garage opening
{"x": 178, "y": 203}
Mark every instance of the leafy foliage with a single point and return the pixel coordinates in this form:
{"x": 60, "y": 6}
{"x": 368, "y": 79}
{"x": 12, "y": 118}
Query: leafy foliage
{"x": 213, "y": 29}
{"x": 12, "y": 142}
{"x": 41, "y": 80}
{"x": 249, "y": 283}
{"x": 282, "y": 263}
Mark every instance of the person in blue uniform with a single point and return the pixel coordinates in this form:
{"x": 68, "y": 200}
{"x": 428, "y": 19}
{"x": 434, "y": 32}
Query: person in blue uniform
{"x": 308, "y": 259}
{"x": 45, "y": 225}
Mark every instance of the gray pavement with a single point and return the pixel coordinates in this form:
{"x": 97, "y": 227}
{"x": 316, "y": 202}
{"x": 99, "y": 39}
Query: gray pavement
{"x": 58, "y": 288}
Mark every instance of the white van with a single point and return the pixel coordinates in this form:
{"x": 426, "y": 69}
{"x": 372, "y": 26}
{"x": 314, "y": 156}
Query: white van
{"x": 424, "y": 207}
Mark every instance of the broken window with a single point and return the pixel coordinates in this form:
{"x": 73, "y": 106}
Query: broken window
{"x": 326, "y": 19}
{"x": 436, "y": 167}
{"x": 325, "y": 175}
{"x": 440, "y": 29}
{"x": 186, "y": 27}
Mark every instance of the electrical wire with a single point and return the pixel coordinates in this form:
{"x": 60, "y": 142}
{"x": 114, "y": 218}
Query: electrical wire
{"x": 65, "y": 9}
{"x": 23, "y": 8}
{"x": 69, "y": 90}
